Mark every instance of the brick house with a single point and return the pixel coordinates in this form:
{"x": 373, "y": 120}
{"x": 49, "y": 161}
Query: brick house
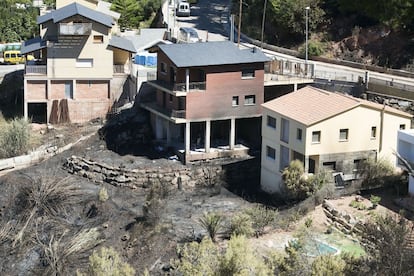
{"x": 325, "y": 130}
{"x": 207, "y": 98}
{"x": 82, "y": 68}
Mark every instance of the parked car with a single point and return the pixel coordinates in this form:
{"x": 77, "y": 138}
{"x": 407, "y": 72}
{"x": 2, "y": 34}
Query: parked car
{"x": 183, "y": 9}
{"x": 187, "y": 35}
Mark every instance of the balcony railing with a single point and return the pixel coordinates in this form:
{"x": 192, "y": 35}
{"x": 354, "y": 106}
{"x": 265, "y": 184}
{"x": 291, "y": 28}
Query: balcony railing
{"x": 36, "y": 69}
{"x": 175, "y": 87}
{"x": 175, "y": 114}
{"x": 75, "y": 28}
{"x": 121, "y": 69}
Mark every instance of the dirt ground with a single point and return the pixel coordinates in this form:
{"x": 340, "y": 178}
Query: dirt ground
{"x": 120, "y": 218}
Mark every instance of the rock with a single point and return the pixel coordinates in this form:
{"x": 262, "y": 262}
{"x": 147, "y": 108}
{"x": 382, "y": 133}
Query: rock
{"x": 125, "y": 237}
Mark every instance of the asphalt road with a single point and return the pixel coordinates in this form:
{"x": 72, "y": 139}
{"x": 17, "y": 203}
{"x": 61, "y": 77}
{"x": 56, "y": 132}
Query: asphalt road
{"x": 5, "y": 69}
{"x": 208, "y": 17}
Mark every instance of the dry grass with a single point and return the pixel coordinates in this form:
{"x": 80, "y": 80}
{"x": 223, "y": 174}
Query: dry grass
{"x": 44, "y": 197}
{"x": 58, "y": 251}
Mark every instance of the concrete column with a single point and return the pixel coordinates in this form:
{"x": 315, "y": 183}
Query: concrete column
{"x": 187, "y": 138}
{"x": 187, "y": 80}
{"x": 168, "y": 133}
{"x": 295, "y": 86}
{"x": 306, "y": 165}
{"x": 74, "y": 89}
{"x": 207, "y": 138}
{"x": 25, "y": 107}
{"x": 48, "y": 88}
{"x": 232, "y": 132}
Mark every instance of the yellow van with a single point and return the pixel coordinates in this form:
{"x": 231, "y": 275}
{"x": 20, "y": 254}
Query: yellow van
{"x": 15, "y": 57}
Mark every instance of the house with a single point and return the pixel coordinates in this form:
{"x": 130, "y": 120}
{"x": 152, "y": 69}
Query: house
{"x": 405, "y": 149}
{"x": 325, "y": 130}
{"x": 82, "y": 70}
{"x": 207, "y": 98}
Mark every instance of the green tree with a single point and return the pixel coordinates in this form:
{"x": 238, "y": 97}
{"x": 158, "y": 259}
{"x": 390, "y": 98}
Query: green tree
{"x": 198, "y": 259}
{"x": 328, "y": 265}
{"x": 386, "y": 241}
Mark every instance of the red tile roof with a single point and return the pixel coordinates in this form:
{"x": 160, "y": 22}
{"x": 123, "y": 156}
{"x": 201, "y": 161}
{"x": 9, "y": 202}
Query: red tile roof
{"x": 311, "y": 105}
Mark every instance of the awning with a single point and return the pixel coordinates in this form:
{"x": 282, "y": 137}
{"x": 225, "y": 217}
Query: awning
{"x": 33, "y": 45}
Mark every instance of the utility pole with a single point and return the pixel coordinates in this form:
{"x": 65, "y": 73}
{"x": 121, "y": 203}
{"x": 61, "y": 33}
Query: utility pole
{"x": 306, "y": 40}
{"x": 263, "y": 21}
{"x": 240, "y": 15}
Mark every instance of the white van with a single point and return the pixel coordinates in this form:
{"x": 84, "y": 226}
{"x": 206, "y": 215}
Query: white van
{"x": 183, "y": 8}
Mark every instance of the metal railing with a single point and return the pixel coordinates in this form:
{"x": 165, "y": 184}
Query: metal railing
{"x": 178, "y": 114}
{"x": 36, "y": 69}
{"x": 121, "y": 69}
{"x": 75, "y": 28}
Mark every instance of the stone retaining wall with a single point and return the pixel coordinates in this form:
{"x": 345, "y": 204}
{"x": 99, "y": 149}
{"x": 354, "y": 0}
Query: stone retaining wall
{"x": 182, "y": 178}
{"x": 341, "y": 220}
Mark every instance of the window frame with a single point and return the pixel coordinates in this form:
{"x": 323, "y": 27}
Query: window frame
{"x": 342, "y": 132}
{"x": 271, "y": 150}
{"x": 319, "y": 135}
{"x": 163, "y": 68}
{"x": 235, "y": 98}
{"x": 299, "y": 134}
{"x": 248, "y": 73}
{"x": 284, "y": 130}
{"x": 269, "y": 120}
{"x": 98, "y": 39}
{"x": 374, "y": 132}
{"x": 247, "y": 99}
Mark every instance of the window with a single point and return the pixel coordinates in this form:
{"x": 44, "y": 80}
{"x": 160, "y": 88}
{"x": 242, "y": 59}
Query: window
{"x": 343, "y": 134}
{"x": 270, "y": 153}
{"x": 98, "y": 39}
{"x": 316, "y": 136}
{"x": 89, "y": 84}
{"x": 284, "y": 157}
{"x": 163, "y": 68}
{"x": 271, "y": 122}
{"x": 329, "y": 166}
{"x": 84, "y": 63}
{"x": 171, "y": 98}
{"x": 235, "y": 101}
{"x": 248, "y": 73}
{"x": 284, "y": 134}
{"x": 373, "y": 132}
{"x": 249, "y": 100}
{"x": 402, "y": 126}
{"x": 299, "y": 134}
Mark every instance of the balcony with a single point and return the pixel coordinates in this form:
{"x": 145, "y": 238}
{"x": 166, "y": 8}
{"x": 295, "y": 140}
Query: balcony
{"x": 122, "y": 69}
{"x": 175, "y": 115}
{"x": 75, "y": 28}
{"x": 178, "y": 89}
{"x": 36, "y": 70}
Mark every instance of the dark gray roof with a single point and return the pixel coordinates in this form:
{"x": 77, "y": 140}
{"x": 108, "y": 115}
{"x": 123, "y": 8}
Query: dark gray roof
{"x": 122, "y": 43}
{"x": 211, "y": 53}
{"x": 32, "y": 45}
{"x": 74, "y": 9}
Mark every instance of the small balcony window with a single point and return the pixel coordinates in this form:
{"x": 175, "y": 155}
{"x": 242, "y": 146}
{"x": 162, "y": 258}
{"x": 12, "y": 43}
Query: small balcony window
{"x": 84, "y": 63}
{"x": 249, "y": 100}
{"x": 402, "y": 126}
{"x": 373, "y": 132}
{"x": 248, "y": 73}
{"x": 284, "y": 134}
{"x": 235, "y": 101}
{"x": 343, "y": 134}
